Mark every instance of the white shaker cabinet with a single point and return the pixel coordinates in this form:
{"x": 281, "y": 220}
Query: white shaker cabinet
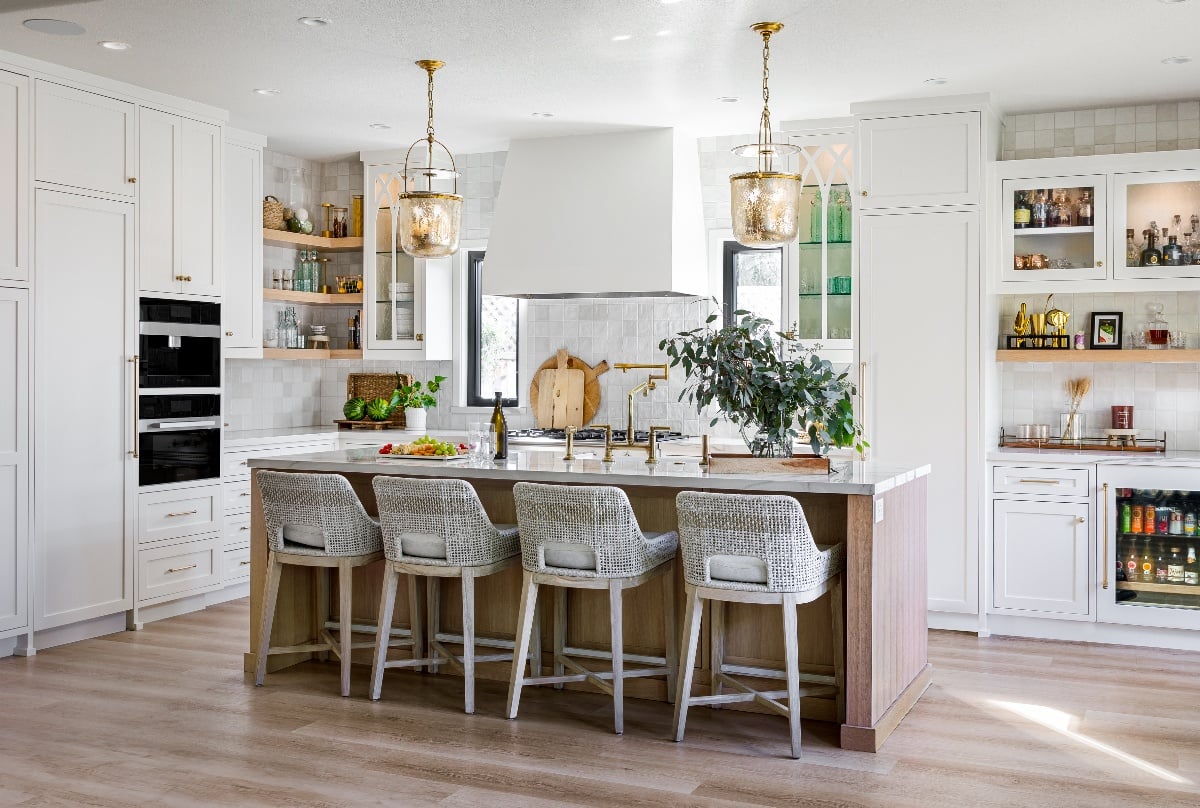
{"x": 179, "y": 232}
{"x": 85, "y": 141}
{"x": 14, "y": 177}
{"x": 14, "y": 459}
{"x": 242, "y": 303}
{"x": 920, "y": 352}
{"x": 85, "y": 338}
{"x": 917, "y": 161}
{"x": 1041, "y": 558}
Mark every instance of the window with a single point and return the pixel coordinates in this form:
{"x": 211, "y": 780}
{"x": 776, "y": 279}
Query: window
{"x": 753, "y": 280}
{"x": 491, "y": 340}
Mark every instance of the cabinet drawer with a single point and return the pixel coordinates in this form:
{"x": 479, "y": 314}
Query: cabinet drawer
{"x": 1056, "y": 482}
{"x": 237, "y": 496}
{"x": 235, "y": 566}
{"x": 237, "y": 530}
{"x": 237, "y": 464}
{"x": 173, "y": 514}
{"x": 178, "y": 568}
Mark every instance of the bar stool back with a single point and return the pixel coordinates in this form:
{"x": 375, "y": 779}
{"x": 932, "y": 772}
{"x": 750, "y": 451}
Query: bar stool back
{"x": 438, "y": 528}
{"x": 587, "y": 537}
{"x": 755, "y": 549}
{"x": 315, "y": 520}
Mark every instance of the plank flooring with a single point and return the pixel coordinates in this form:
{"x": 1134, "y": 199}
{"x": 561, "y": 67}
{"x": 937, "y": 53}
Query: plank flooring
{"x": 166, "y": 717}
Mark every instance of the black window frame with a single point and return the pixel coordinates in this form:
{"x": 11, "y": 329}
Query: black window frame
{"x": 475, "y": 396}
{"x": 729, "y": 286}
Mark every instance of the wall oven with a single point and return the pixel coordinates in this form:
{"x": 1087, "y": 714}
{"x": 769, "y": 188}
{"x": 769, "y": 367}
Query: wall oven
{"x": 179, "y": 438}
{"x": 180, "y": 344}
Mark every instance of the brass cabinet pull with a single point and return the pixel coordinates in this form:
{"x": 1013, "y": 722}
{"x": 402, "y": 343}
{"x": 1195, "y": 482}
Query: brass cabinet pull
{"x": 133, "y": 360}
{"x": 181, "y": 513}
{"x": 1104, "y": 564}
{"x": 229, "y": 333}
{"x": 1099, "y": 263}
{"x": 243, "y": 462}
{"x": 1081, "y": 520}
{"x": 244, "y": 527}
{"x": 244, "y": 494}
{"x": 864, "y": 191}
{"x": 420, "y": 337}
{"x": 182, "y": 569}
{"x": 184, "y": 278}
{"x": 1040, "y": 481}
{"x": 243, "y": 563}
{"x": 132, "y": 180}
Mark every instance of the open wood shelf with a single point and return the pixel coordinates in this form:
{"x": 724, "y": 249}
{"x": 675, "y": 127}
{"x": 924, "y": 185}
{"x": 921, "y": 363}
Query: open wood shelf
{"x": 1176, "y": 355}
{"x": 285, "y": 238}
{"x": 312, "y": 298}
{"x": 311, "y": 353}
{"x": 1166, "y": 589}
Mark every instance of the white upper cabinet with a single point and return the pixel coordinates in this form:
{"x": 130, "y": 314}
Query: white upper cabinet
{"x": 14, "y": 177}
{"x": 85, "y": 140}
{"x": 179, "y": 162}
{"x": 241, "y": 305}
{"x": 919, "y": 161}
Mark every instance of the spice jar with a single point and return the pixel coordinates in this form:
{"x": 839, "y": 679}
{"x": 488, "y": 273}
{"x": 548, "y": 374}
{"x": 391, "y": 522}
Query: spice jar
{"x": 356, "y": 215}
{"x": 340, "y": 222}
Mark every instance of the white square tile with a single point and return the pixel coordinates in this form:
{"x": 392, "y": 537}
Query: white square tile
{"x": 1125, "y": 115}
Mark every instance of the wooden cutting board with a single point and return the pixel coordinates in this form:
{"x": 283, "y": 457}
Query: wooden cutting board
{"x": 542, "y": 397}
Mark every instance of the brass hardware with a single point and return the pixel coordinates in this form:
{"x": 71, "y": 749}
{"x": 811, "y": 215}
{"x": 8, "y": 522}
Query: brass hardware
{"x": 132, "y": 180}
{"x": 426, "y": 231}
{"x": 570, "y": 455}
{"x": 1099, "y": 263}
{"x": 704, "y": 450}
{"x": 244, "y": 494}
{"x": 864, "y": 191}
{"x": 244, "y": 527}
{"x": 1040, "y": 481}
{"x": 134, "y": 361}
{"x": 652, "y": 446}
{"x": 419, "y": 337}
{"x": 608, "y": 444}
{"x": 1104, "y": 563}
{"x": 243, "y": 462}
{"x": 182, "y": 569}
{"x": 229, "y": 333}
{"x": 184, "y": 278}
{"x": 644, "y": 388}
{"x": 1081, "y": 520}
{"x": 243, "y": 563}
{"x": 180, "y": 513}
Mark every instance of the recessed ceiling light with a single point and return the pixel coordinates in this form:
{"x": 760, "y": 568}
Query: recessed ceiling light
{"x": 935, "y": 81}
{"x": 315, "y": 22}
{"x": 380, "y": 126}
{"x": 542, "y": 114}
{"x": 266, "y": 91}
{"x": 727, "y": 99}
{"x": 664, "y": 32}
{"x": 112, "y": 44}
{"x": 1177, "y": 60}
{"x": 55, "y": 27}
{"x": 622, "y": 37}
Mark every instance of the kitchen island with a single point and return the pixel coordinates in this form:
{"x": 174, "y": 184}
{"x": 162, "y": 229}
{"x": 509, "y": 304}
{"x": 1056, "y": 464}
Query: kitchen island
{"x": 878, "y": 511}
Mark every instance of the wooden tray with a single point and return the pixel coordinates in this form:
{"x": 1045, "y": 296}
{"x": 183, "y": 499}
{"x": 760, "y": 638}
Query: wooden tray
{"x": 344, "y": 423}
{"x": 722, "y": 463}
{"x": 591, "y": 383}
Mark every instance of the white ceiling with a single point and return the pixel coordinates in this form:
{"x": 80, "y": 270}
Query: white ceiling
{"x": 509, "y": 58}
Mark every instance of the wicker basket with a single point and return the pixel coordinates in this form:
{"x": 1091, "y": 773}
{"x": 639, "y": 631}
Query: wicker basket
{"x": 370, "y": 386}
{"x": 273, "y": 214}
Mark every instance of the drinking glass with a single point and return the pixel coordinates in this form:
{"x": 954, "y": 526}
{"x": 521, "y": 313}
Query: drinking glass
{"x": 487, "y": 444}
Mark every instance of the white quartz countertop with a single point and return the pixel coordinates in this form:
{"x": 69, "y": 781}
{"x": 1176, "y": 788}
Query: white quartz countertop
{"x": 1171, "y": 457}
{"x": 848, "y": 478}
{"x": 248, "y": 438}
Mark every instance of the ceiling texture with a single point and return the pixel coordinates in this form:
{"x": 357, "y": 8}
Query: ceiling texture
{"x": 508, "y": 59}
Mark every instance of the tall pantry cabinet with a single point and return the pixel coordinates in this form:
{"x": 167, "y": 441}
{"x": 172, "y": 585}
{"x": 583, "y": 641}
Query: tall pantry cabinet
{"x": 919, "y": 198}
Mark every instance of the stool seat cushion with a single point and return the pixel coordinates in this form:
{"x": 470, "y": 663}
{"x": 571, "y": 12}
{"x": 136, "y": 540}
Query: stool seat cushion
{"x": 739, "y": 568}
{"x": 307, "y": 535}
{"x": 574, "y": 556}
{"x": 423, "y": 545}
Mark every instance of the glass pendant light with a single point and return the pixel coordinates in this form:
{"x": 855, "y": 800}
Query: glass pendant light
{"x": 765, "y": 203}
{"x": 429, "y": 222}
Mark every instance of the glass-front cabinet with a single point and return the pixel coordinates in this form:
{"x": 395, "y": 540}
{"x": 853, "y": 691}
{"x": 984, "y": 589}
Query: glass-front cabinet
{"x": 824, "y": 288}
{"x": 1156, "y": 215}
{"x": 407, "y": 301}
{"x": 1053, "y": 229}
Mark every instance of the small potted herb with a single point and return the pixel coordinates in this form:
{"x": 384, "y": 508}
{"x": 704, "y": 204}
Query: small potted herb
{"x": 414, "y": 399}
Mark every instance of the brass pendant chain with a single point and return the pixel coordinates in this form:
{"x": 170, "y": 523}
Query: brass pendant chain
{"x": 765, "y": 154}
{"x": 429, "y": 134}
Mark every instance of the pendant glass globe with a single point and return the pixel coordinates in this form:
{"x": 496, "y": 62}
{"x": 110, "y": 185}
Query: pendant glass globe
{"x": 764, "y": 208}
{"x": 428, "y": 223}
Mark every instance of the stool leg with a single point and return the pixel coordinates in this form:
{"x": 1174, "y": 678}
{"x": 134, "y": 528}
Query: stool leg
{"x": 468, "y": 631}
{"x": 433, "y": 597}
{"x": 416, "y": 616}
{"x": 560, "y": 632}
{"x": 321, "y": 574}
{"x": 383, "y": 624}
{"x": 839, "y": 646}
{"x": 792, "y": 655}
{"x": 535, "y": 642}
{"x": 618, "y": 655}
{"x": 529, "y": 590}
{"x": 267, "y": 618}
{"x": 691, "y": 636}
{"x": 716, "y": 631}
{"x": 345, "y": 619}
{"x": 672, "y": 651}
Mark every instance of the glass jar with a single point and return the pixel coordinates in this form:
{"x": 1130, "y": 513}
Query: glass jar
{"x": 1060, "y": 209}
{"x": 1158, "y": 335}
{"x": 356, "y": 215}
{"x": 341, "y": 222}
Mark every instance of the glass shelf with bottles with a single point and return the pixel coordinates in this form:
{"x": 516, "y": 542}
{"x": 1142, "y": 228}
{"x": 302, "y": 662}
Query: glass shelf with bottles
{"x": 824, "y": 290}
{"x": 1157, "y": 544}
{"x": 1158, "y": 217}
{"x": 1051, "y": 232}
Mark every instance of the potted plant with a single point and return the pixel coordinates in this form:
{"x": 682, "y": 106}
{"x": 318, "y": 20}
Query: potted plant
{"x": 769, "y": 385}
{"x": 414, "y": 399}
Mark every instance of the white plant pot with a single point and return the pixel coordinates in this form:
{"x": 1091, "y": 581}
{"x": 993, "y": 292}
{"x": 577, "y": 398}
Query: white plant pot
{"x": 414, "y": 418}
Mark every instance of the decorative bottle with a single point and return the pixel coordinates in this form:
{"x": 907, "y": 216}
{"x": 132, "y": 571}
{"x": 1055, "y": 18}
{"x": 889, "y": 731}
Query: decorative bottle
{"x": 1041, "y": 210}
{"x": 815, "y": 217}
{"x": 1021, "y": 211}
{"x": 1151, "y": 257}
{"x": 1085, "y": 216}
{"x": 501, "y": 426}
{"x": 1132, "y": 256}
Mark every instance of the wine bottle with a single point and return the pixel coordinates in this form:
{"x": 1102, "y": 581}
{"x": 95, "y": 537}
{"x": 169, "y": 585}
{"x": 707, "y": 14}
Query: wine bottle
{"x": 1021, "y": 212}
{"x": 501, "y": 426}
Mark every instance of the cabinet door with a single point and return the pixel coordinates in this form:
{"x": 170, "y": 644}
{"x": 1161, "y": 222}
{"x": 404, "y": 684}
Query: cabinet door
{"x": 85, "y": 140}
{"x": 919, "y": 161}
{"x": 14, "y": 459}
{"x": 14, "y": 177}
{"x": 919, "y": 326}
{"x": 1158, "y": 196}
{"x": 84, "y": 469}
{"x": 200, "y": 208}
{"x": 159, "y": 147}
{"x": 1040, "y": 556}
{"x": 241, "y": 309}
{"x": 1073, "y": 253}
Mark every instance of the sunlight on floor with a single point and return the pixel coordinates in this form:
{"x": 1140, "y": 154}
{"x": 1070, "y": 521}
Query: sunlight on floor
{"x": 1061, "y": 723}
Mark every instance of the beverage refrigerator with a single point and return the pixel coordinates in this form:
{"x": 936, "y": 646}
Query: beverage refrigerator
{"x": 1149, "y": 543}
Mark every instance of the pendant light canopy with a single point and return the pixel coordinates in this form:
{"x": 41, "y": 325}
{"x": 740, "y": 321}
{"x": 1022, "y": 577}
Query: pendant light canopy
{"x": 765, "y": 203}
{"x": 429, "y": 222}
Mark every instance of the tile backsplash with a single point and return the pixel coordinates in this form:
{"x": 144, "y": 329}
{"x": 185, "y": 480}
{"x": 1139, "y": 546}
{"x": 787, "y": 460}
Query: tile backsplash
{"x": 1108, "y": 130}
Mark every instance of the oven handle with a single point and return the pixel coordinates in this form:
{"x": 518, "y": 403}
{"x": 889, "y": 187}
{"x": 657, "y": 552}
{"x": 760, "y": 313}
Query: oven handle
{"x": 167, "y": 425}
{"x": 134, "y": 405}
{"x": 179, "y": 330}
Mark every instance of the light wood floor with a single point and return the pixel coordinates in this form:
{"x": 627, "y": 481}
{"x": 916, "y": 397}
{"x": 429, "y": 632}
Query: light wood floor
{"x": 166, "y": 717}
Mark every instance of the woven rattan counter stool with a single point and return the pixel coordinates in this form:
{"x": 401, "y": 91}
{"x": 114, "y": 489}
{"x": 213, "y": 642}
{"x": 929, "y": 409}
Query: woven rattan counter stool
{"x": 587, "y": 537}
{"x": 438, "y": 528}
{"x": 316, "y": 520}
{"x": 755, "y": 549}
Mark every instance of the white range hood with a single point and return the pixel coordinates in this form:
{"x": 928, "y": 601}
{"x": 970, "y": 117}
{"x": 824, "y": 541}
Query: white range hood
{"x": 599, "y": 216}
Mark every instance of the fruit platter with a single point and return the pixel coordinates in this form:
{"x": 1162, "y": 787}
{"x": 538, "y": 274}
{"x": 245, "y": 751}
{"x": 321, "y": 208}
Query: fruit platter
{"x": 424, "y": 448}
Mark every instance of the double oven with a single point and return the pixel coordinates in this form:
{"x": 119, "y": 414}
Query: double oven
{"x": 179, "y": 391}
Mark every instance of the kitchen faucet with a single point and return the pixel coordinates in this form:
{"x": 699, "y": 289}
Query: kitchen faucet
{"x": 650, "y": 447}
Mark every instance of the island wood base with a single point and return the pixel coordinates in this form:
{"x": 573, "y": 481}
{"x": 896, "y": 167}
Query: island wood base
{"x": 886, "y": 663}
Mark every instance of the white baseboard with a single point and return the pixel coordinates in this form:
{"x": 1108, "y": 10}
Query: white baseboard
{"x": 74, "y": 632}
{"x": 1107, "y": 633}
{"x": 954, "y": 621}
{"x": 231, "y": 592}
{"x": 7, "y": 646}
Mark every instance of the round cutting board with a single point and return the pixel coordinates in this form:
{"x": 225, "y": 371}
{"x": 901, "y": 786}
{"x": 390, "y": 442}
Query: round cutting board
{"x": 591, "y": 382}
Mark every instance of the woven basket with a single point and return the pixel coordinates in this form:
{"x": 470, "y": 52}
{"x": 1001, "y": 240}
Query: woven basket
{"x": 273, "y": 214}
{"x": 370, "y": 386}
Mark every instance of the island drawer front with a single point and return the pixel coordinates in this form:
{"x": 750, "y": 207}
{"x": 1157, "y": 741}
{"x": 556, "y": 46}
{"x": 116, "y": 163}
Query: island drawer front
{"x": 1042, "y": 481}
{"x": 178, "y": 568}
{"x": 237, "y": 496}
{"x": 236, "y": 566}
{"x": 174, "y": 514}
{"x": 237, "y": 530}
{"x": 237, "y": 463}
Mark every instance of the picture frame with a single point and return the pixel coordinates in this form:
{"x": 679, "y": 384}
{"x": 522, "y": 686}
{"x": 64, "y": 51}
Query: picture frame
{"x": 1106, "y": 330}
